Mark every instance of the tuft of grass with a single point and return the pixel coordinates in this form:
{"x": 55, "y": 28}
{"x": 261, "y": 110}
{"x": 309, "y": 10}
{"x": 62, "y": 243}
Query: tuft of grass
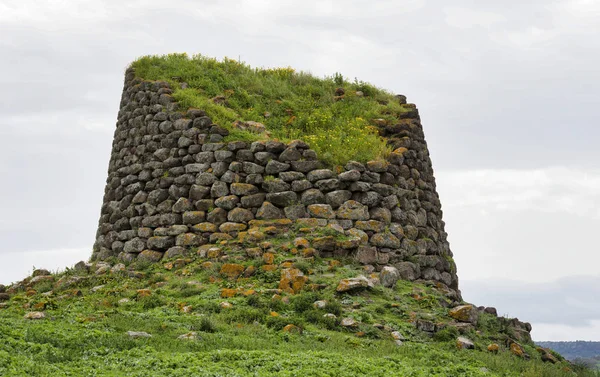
{"x": 292, "y": 105}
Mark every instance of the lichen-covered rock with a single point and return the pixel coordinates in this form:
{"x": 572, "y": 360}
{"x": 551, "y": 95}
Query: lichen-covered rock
{"x": 269, "y": 212}
{"x": 360, "y": 282}
{"x": 386, "y": 239}
{"x": 312, "y": 196}
{"x": 240, "y": 215}
{"x": 292, "y": 280}
{"x": 465, "y": 313}
{"x": 227, "y": 202}
{"x": 242, "y": 189}
{"x": 150, "y": 256}
{"x": 231, "y": 270}
{"x": 321, "y": 211}
{"x": 389, "y": 276}
{"x": 353, "y": 210}
{"x": 282, "y": 199}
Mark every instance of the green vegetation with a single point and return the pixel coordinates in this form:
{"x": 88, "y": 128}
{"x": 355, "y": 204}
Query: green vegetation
{"x": 234, "y": 309}
{"x": 292, "y": 105}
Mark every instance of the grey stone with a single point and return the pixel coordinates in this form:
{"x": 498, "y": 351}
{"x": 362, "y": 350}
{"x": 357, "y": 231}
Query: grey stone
{"x": 161, "y": 242}
{"x": 219, "y": 189}
{"x": 389, "y": 276}
{"x": 219, "y": 168}
{"x": 369, "y": 198}
{"x": 205, "y": 157}
{"x": 198, "y": 192}
{"x": 275, "y": 146}
{"x": 226, "y": 156}
{"x": 390, "y": 201}
{"x": 366, "y": 255}
{"x": 157, "y": 196}
{"x": 354, "y": 165}
{"x": 294, "y": 212}
{"x": 205, "y": 179}
{"x": 227, "y": 202}
{"x": 269, "y": 212}
{"x": 243, "y": 189}
{"x": 290, "y": 154}
{"x": 381, "y": 214}
{"x": 135, "y": 245}
{"x": 275, "y": 185}
{"x": 305, "y": 166}
{"x": 383, "y": 190}
{"x": 263, "y": 157}
{"x": 349, "y": 176}
{"x": 319, "y": 174}
{"x": 312, "y": 196}
{"x": 217, "y": 216}
{"x": 360, "y": 186}
{"x": 182, "y": 205}
{"x": 254, "y": 179}
{"x": 275, "y": 167}
{"x": 240, "y": 215}
{"x": 301, "y": 185}
{"x": 289, "y": 176}
{"x": 353, "y": 210}
{"x": 385, "y": 240}
{"x": 337, "y": 198}
{"x": 282, "y": 199}
{"x": 176, "y": 251}
{"x": 252, "y": 168}
{"x": 211, "y": 147}
{"x": 253, "y": 201}
{"x": 230, "y": 177}
{"x": 408, "y": 271}
{"x": 193, "y": 217}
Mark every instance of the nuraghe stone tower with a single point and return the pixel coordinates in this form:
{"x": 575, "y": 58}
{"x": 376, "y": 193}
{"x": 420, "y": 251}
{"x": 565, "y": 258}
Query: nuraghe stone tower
{"x": 174, "y": 188}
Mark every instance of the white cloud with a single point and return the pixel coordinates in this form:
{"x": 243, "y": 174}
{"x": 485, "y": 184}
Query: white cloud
{"x": 554, "y": 189}
{"x": 18, "y": 265}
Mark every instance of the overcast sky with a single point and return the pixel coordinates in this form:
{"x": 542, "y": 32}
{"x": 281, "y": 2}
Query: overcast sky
{"x": 508, "y": 95}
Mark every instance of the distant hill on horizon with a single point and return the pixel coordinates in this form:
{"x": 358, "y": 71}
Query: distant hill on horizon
{"x": 574, "y": 349}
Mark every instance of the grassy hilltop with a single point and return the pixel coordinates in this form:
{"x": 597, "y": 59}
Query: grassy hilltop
{"x": 264, "y": 303}
{"x": 239, "y": 316}
{"x": 292, "y": 105}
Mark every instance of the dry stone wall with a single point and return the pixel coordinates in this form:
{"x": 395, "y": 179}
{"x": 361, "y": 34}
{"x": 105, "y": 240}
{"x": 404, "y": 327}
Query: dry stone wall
{"x": 173, "y": 185}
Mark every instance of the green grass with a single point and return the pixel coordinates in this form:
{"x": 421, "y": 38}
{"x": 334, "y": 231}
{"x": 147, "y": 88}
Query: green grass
{"x": 298, "y": 105}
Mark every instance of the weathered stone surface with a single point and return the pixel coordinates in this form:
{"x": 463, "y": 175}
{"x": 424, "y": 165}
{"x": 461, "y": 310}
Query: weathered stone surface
{"x": 150, "y": 256}
{"x": 297, "y": 211}
{"x": 321, "y": 211}
{"x": 312, "y": 196}
{"x": 319, "y": 174}
{"x": 161, "y": 242}
{"x": 386, "y": 239}
{"x": 240, "y": 215}
{"x": 268, "y": 212}
{"x": 389, "y": 276}
{"x": 227, "y": 202}
{"x": 408, "y": 271}
{"x": 366, "y": 255}
{"x": 360, "y": 282}
{"x": 465, "y": 313}
{"x": 242, "y": 189}
{"x": 275, "y": 167}
{"x": 282, "y": 199}
{"x": 337, "y": 198}
{"x": 353, "y": 210}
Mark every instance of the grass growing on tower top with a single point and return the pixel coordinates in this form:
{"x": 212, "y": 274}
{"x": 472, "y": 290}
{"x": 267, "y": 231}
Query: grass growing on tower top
{"x": 297, "y": 105}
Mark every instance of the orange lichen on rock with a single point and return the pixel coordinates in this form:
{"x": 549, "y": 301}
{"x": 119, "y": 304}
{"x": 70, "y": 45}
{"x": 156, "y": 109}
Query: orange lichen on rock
{"x": 143, "y": 292}
{"x": 232, "y": 270}
{"x": 292, "y": 280}
{"x": 493, "y": 347}
{"x": 268, "y": 258}
{"x": 227, "y": 292}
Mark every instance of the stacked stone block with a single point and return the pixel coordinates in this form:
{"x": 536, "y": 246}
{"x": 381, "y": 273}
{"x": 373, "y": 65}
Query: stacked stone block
{"x": 173, "y": 184}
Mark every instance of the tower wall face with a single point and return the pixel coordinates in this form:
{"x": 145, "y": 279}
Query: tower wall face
{"x": 174, "y": 187}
